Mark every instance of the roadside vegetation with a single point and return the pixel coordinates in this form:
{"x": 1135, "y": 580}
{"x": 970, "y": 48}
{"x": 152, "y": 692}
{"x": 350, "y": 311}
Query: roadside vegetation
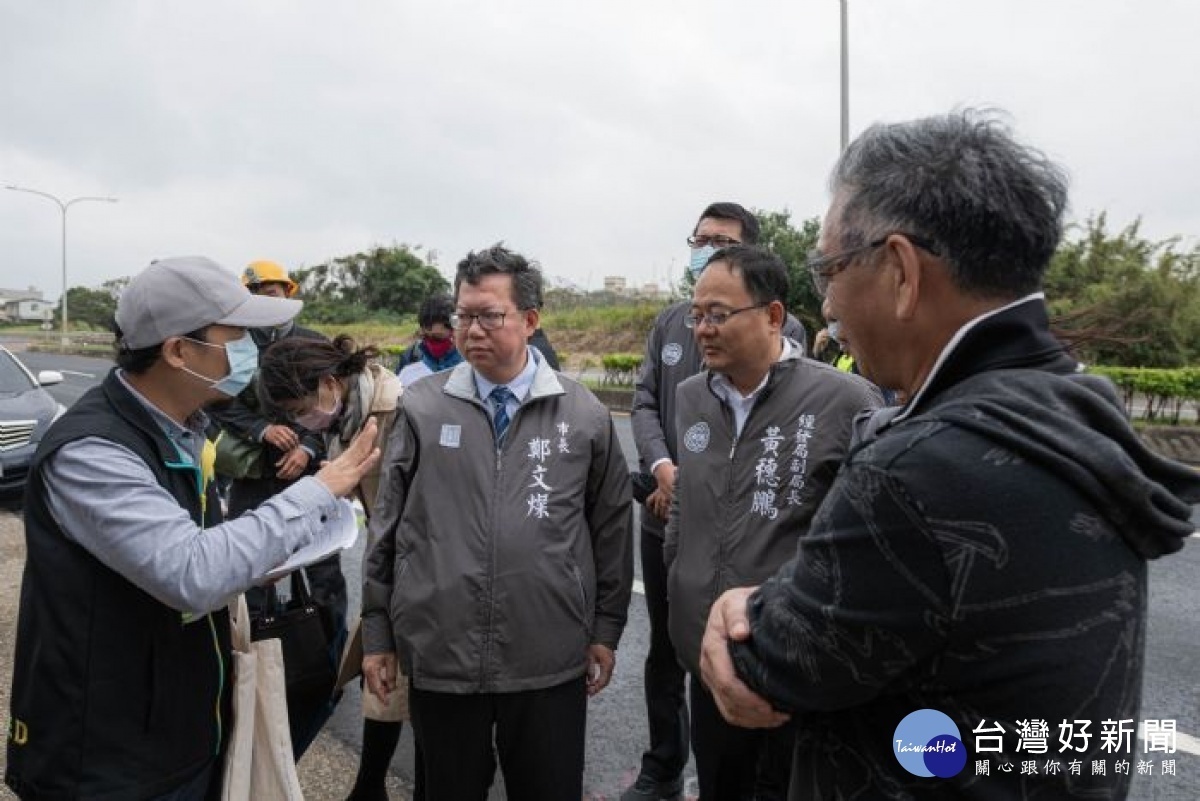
{"x": 1126, "y": 305}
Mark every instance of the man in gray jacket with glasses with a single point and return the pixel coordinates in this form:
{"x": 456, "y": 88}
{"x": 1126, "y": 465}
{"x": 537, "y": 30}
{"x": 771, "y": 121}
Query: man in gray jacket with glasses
{"x": 503, "y": 569}
{"x": 671, "y": 358}
{"x": 762, "y": 432}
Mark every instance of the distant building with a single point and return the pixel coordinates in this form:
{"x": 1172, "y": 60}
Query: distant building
{"x": 25, "y": 306}
{"x": 652, "y": 291}
{"x": 619, "y": 285}
{"x": 615, "y": 284}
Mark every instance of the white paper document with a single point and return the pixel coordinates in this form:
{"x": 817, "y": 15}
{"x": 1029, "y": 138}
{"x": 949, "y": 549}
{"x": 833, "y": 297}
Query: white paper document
{"x": 340, "y": 533}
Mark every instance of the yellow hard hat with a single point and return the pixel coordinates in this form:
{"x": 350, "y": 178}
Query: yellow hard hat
{"x": 263, "y": 272}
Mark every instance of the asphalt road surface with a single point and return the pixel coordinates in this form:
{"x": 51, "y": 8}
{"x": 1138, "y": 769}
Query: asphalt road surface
{"x": 616, "y": 722}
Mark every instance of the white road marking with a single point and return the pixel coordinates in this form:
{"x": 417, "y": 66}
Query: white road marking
{"x": 639, "y": 587}
{"x": 74, "y": 372}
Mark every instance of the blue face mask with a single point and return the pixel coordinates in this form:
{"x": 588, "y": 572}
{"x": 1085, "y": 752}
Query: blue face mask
{"x": 243, "y": 361}
{"x": 700, "y": 257}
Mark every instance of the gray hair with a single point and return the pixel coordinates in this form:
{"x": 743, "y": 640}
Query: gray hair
{"x": 991, "y": 207}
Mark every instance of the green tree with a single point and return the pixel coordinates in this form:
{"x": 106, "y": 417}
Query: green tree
{"x": 792, "y": 244}
{"x": 1124, "y": 300}
{"x": 91, "y": 307}
{"x": 115, "y": 286}
{"x": 383, "y": 283}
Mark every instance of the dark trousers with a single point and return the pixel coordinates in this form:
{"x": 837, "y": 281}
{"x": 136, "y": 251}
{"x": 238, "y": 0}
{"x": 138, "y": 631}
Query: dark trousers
{"x": 664, "y": 679}
{"x": 736, "y": 764}
{"x": 538, "y": 736}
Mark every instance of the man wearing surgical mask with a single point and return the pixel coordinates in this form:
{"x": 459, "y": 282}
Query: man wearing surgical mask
{"x": 671, "y": 357}
{"x": 122, "y": 666}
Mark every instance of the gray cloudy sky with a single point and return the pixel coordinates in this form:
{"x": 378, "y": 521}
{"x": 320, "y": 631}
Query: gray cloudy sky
{"x": 587, "y": 135}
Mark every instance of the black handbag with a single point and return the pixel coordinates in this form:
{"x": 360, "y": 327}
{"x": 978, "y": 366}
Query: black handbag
{"x": 306, "y": 634}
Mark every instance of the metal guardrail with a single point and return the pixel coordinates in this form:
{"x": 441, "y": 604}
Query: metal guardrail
{"x": 79, "y": 343}
{"x": 73, "y": 337}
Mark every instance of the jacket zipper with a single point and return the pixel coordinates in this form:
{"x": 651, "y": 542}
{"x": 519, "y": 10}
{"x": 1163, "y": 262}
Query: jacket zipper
{"x": 485, "y": 653}
{"x": 730, "y": 419}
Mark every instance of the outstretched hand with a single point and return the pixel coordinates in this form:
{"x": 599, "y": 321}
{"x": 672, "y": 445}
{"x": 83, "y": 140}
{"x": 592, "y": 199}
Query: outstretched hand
{"x": 344, "y": 473}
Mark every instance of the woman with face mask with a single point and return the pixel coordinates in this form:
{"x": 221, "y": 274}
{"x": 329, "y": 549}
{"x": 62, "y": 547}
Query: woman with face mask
{"x": 334, "y": 388}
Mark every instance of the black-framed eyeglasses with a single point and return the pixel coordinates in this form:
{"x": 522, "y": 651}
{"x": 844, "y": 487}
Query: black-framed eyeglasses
{"x": 488, "y": 320}
{"x": 821, "y": 268}
{"x": 717, "y": 242}
{"x": 718, "y": 319}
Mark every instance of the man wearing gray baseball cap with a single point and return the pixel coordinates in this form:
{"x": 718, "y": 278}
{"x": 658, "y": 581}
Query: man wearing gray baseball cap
{"x": 121, "y": 671}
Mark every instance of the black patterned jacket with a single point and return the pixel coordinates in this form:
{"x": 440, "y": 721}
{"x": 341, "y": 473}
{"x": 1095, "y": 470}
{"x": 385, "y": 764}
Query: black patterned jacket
{"x": 982, "y": 553}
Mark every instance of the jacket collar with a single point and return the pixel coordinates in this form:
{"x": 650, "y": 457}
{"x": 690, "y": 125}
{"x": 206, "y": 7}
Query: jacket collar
{"x": 461, "y": 383}
{"x": 149, "y": 419}
{"x": 1013, "y": 336}
{"x": 791, "y": 353}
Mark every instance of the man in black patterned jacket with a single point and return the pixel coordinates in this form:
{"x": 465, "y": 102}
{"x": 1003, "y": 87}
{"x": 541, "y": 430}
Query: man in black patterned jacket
{"x": 971, "y": 596}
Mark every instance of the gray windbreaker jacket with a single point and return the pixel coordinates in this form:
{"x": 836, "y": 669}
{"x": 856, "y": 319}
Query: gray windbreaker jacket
{"x": 493, "y": 570}
{"x": 671, "y": 358}
{"x": 742, "y": 503}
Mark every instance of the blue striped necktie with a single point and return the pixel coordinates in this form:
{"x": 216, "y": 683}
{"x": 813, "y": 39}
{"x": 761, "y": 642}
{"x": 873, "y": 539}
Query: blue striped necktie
{"x": 500, "y": 396}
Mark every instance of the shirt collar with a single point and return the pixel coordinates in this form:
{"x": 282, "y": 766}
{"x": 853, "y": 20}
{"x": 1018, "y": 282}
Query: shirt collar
{"x": 186, "y": 438}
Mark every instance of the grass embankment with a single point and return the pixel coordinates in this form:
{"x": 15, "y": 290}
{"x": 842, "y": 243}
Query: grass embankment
{"x": 581, "y": 335}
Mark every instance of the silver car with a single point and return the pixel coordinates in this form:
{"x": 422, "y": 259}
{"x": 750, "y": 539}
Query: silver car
{"x": 26, "y": 411}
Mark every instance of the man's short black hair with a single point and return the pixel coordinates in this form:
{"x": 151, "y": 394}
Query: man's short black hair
{"x": 763, "y": 273}
{"x": 137, "y": 361}
{"x": 737, "y": 213}
{"x": 435, "y": 309}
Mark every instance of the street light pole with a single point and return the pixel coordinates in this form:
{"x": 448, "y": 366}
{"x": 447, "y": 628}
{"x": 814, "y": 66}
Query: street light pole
{"x": 63, "y": 206}
{"x": 845, "y": 75}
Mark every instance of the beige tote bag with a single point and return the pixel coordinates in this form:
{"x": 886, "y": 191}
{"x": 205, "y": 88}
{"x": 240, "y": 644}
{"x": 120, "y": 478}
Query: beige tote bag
{"x": 258, "y": 759}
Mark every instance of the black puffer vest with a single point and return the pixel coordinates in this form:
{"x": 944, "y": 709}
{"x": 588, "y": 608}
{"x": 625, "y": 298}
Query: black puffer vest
{"x": 114, "y": 695}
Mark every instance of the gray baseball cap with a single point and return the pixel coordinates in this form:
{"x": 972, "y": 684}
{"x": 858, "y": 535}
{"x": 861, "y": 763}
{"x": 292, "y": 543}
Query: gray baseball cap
{"x": 179, "y": 295}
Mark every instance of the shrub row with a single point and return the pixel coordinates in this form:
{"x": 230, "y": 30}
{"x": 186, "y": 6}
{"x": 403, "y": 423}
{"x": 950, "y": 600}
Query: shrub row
{"x": 621, "y": 368}
{"x": 1167, "y": 392}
